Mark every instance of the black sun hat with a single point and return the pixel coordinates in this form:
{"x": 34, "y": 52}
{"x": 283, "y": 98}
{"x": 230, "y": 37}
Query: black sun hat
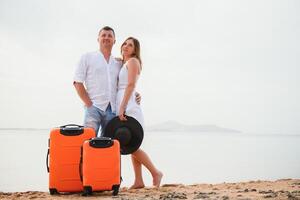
{"x": 130, "y": 133}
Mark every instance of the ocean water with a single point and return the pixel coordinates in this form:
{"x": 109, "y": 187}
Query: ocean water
{"x": 186, "y": 158}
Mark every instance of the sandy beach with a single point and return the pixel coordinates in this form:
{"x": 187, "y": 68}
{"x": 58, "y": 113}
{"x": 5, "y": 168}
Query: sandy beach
{"x": 279, "y": 189}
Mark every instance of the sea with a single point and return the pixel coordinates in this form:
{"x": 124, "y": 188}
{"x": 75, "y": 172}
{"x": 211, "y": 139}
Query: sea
{"x": 183, "y": 157}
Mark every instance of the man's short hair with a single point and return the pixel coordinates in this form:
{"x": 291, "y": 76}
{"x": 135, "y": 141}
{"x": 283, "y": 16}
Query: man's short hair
{"x": 107, "y": 28}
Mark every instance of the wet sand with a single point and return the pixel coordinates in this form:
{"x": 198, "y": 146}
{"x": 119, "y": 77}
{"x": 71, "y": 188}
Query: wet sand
{"x": 279, "y": 190}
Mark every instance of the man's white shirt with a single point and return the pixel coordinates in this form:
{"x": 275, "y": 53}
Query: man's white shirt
{"x": 100, "y": 78}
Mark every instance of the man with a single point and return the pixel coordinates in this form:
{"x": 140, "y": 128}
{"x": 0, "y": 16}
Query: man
{"x": 96, "y": 79}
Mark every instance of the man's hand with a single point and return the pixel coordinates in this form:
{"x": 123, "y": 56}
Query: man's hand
{"x": 89, "y": 104}
{"x": 138, "y": 98}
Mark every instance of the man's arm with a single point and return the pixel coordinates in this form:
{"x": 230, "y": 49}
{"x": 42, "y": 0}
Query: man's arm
{"x": 81, "y": 91}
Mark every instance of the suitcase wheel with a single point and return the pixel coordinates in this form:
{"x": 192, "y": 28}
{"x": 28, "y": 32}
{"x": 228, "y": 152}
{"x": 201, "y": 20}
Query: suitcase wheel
{"x": 87, "y": 190}
{"x": 52, "y": 191}
{"x": 115, "y": 189}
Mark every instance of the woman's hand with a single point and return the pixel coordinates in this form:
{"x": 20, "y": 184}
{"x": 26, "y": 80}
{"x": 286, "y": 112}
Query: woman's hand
{"x": 119, "y": 59}
{"x": 138, "y": 98}
{"x": 122, "y": 114}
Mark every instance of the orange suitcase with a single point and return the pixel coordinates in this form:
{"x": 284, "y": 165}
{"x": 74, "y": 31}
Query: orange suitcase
{"x": 101, "y": 165}
{"x": 64, "y": 150}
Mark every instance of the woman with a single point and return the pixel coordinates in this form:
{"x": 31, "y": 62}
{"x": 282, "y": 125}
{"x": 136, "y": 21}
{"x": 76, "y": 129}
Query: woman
{"x": 126, "y": 103}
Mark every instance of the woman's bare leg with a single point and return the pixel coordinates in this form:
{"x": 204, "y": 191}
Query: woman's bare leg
{"x": 138, "y": 178}
{"x": 144, "y": 159}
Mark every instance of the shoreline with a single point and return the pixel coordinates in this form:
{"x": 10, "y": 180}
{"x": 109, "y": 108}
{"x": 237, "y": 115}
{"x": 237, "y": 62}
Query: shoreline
{"x": 280, "y": 189}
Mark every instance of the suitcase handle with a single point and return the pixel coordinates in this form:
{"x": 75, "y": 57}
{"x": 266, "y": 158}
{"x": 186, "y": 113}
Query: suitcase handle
{"x": 71, "y": 129}
{"x": 64, "y": 126}
{"x": 47, "y": 161}
{"x": 101, "y": 142}
{"x": 80, "y": 165}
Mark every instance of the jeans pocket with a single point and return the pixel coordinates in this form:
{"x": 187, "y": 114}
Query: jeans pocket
{"x": 88, "y": 108}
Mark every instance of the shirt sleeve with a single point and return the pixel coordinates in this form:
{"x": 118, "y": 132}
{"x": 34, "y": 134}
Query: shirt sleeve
{"x": 81, "y": 70}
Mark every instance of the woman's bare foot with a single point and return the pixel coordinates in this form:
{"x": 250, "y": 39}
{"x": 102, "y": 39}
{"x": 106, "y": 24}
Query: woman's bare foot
{"x": 157, "y": 179}
{"x": 137, "y": 186}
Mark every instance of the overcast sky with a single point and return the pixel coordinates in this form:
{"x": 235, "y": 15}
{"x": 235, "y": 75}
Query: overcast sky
{"x": 234, "y": 64}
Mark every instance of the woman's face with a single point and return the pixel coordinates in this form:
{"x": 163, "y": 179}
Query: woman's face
{"x": 128, "y": 48}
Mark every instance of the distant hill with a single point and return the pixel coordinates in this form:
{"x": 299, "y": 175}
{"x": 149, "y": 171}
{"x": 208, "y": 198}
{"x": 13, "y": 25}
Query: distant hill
{"x": 24, "y": 129}
{"x": 172, "y": 126}
{"x": 169, "y": 126}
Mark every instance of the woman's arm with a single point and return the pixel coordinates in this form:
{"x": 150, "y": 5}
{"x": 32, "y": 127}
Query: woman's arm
{"x": 133, "y": 67}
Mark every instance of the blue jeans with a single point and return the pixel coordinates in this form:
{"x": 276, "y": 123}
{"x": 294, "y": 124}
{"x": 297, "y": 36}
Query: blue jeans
{"x": 96, "y": 118}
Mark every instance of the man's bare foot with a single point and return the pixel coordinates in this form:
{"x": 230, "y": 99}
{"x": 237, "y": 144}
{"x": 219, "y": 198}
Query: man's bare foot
{"x": 137, "y": 186}
{"x": 157, "y": 179}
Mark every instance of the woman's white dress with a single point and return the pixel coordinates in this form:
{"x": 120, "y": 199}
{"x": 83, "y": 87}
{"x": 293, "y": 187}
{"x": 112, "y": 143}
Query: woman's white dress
{"x": 133, "y": 109}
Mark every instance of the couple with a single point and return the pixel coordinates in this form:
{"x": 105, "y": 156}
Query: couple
{"x": 106, "y": 86}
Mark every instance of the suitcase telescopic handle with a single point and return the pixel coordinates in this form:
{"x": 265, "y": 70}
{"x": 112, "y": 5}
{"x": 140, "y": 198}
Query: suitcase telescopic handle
{"x": 72, "y": 125}
{"x": 71, "y": 129}
{"x": 102, "y": 142}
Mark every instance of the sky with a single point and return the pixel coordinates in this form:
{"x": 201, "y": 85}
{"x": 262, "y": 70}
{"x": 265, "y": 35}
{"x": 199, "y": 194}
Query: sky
{"x": 234, "y": 64}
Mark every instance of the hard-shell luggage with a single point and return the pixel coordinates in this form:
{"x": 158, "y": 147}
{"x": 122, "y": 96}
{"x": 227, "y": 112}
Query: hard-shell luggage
{"x": 64, "y": 150}
{"x": 101, "y": 165}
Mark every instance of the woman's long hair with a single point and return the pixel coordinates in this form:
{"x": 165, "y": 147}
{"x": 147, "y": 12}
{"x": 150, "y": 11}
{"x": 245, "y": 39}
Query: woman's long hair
{"x": 137, "y": 49}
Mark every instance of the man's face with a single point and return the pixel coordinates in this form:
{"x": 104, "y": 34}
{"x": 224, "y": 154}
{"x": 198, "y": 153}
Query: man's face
{"x": 106, "y": 38}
